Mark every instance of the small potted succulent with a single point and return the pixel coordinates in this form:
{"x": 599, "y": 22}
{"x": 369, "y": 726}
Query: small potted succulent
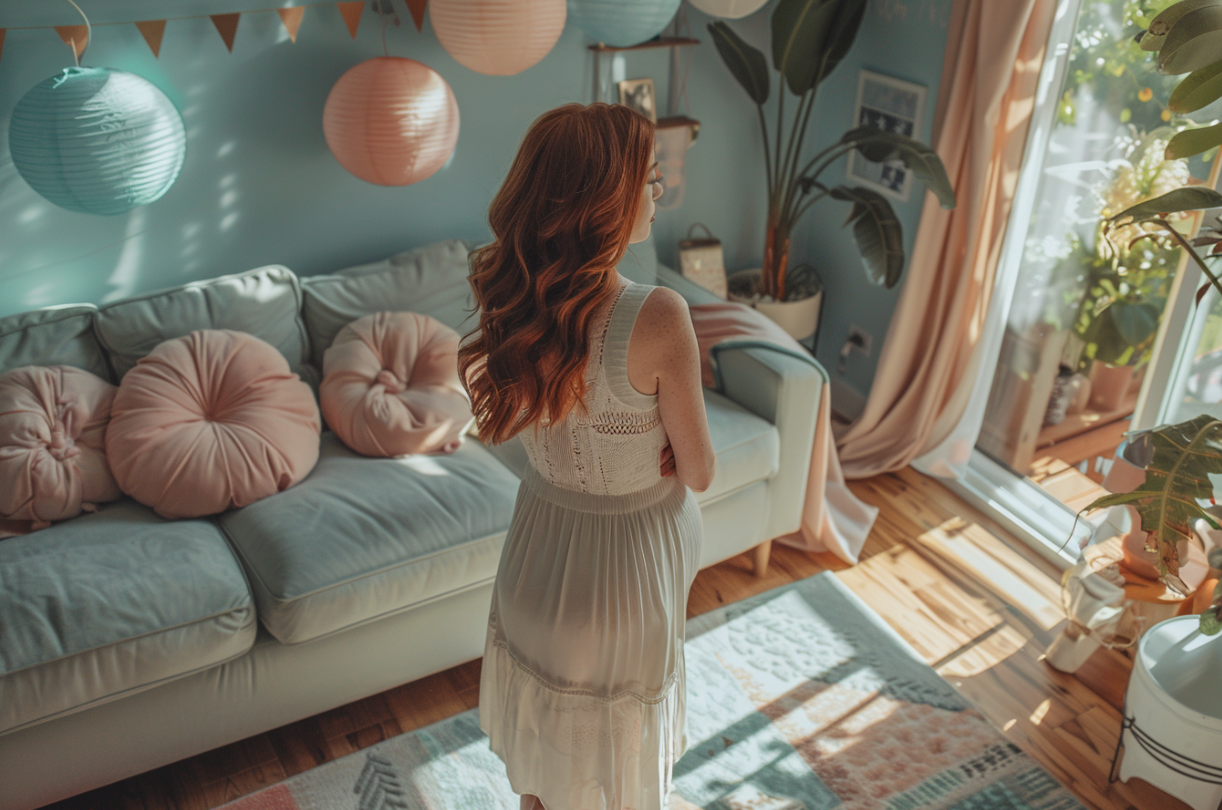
{"x": 809, "y": 39}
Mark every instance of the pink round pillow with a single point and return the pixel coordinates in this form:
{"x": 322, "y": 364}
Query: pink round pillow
{"x": 209, "y": 421}
{"x": 52, "y": 446}
{"x": 390, "y": 386}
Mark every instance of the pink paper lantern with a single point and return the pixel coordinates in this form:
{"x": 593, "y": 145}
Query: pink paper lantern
{"x": 391, "y": 121}
{"x": 498, "y": 37}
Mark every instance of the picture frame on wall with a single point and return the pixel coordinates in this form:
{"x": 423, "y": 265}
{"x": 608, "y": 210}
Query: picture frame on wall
{"x": 639, "y": 95}
{"x": 892, "y": 105}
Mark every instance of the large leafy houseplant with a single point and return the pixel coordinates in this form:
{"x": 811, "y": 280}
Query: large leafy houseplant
{"x": 809, "y": 39}
{"x": 1182, "y": 456}
{"x": 1187, "y": 38}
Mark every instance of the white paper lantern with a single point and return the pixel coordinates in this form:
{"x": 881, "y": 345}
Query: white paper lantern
{"x": 730, "y": 9}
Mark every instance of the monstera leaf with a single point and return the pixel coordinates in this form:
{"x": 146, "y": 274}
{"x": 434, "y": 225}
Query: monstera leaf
{"x": 1177, "y": 478}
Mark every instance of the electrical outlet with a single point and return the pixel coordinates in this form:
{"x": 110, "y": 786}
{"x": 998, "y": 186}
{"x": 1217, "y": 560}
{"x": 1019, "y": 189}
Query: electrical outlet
{"x": 856, "y": 334}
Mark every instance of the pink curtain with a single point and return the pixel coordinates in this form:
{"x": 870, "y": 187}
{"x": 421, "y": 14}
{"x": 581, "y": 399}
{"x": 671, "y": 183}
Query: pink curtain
{"x": 833, "y": 518}
{"x": 993, "y": 58}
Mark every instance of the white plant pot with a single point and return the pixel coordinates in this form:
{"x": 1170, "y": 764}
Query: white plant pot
{"x": 1175, "y": 708}
{"x": 799, "y": 319}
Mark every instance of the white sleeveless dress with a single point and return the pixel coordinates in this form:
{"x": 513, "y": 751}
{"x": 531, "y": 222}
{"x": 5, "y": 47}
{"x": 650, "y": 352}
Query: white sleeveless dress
{"x": 582, "y": 691}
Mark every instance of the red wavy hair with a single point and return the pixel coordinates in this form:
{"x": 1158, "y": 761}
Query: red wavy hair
{"x": 561, "y": 221}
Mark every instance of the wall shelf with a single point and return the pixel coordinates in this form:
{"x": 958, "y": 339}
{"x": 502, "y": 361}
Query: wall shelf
{"x": 660, "y": 42}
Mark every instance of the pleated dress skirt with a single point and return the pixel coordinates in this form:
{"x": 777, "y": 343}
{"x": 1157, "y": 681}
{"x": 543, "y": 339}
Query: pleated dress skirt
{"x": 582, "y": 692}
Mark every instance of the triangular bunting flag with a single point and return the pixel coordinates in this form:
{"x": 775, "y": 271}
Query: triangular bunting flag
{"x": 291, "y": 17}
{"x": 227, "y": 27}
{"x": 152, "y": 31}
{"x": 1, "y": 41}
{"x": 416, "y": 7}
{"x": 352, "y": 14}
{"x": 74, "y": 36}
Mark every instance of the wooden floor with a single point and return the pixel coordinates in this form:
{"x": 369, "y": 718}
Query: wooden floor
{"x": 970, "y": 599}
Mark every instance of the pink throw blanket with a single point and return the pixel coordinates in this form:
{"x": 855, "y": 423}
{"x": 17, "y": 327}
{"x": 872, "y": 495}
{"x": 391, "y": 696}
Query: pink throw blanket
{"x": 833, "y": 518}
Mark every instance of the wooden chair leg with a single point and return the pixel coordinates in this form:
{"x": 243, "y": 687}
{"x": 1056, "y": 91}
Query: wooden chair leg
{"x": 760, "y": 554}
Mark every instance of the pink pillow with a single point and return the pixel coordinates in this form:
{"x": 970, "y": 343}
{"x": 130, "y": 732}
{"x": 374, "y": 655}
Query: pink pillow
{"x": 390, "y": 386}
{"x": 208, "y": 421}
{"x": 715, "y": 322}
{"x": 52, "y": 446}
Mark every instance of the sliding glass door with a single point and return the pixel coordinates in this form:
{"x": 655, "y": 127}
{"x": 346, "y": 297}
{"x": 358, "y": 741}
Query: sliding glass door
{"x": 1100, "y": 336}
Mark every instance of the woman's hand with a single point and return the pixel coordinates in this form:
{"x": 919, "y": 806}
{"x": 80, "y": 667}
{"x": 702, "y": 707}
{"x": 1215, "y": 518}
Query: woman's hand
{"x": 668, "y": 461}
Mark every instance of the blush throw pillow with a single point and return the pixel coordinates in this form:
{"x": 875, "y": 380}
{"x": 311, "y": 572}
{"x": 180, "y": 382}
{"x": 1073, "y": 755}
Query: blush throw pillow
{"x": 208, "y": 421}
{"x": 52, "y": 446}
{"x": 390, "y": 386}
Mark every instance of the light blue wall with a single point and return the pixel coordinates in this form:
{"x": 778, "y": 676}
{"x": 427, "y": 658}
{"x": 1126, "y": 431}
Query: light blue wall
{"x": 259, "y": 185}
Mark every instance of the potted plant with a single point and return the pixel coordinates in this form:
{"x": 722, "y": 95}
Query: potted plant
{"x": 809, "y": 38}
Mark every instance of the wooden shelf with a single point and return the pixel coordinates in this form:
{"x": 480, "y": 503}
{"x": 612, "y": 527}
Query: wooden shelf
{"x": 1084, "y": 421}
{"x": 660, "y": 42}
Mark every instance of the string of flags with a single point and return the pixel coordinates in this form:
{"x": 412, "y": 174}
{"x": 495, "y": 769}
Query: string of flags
{"x": 76, "y": 36}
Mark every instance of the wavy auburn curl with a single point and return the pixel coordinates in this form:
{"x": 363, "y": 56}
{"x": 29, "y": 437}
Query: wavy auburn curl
{"x": 561, "y": 222}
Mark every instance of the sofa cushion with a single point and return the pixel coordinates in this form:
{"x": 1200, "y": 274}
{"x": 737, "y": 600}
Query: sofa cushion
{"x": 361, "y": 538}
{"x": 53, "y": 423}
{"x": 264, "y": 302}
{"x": 111, "y": 603}
{"x": 55, "y": 336}
{"x": 390, "y": 386}
{"x": 209, "y": 421}
{"x": 430, "y": 280}
{"x": 748, "y": 448}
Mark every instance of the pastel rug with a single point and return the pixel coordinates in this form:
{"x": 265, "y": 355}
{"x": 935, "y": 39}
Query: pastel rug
{"x": 800, "y": 698}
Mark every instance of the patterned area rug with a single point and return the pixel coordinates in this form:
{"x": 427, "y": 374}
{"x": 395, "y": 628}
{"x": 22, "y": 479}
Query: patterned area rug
{"x": 800, "y": 698}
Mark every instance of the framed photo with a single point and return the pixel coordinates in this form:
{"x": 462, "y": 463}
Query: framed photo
{"x": 638, "y": 94}
{"x": 894, "y": 106}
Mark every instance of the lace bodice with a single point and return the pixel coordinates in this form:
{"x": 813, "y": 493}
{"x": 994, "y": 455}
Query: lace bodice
{"x": 615, "y": 448}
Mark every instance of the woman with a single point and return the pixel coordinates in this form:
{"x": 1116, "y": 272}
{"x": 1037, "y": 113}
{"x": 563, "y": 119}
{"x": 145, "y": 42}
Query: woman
{"x": 582, "y": 690}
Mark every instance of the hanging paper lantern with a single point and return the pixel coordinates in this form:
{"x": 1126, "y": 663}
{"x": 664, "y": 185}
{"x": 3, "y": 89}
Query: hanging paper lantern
{"x": 97, "y": 140}
{"x": 498, "y": 37}
{"x": 622, "y": 22}
{"x": 730, "y": 9}
{"x": 391, "y": 121}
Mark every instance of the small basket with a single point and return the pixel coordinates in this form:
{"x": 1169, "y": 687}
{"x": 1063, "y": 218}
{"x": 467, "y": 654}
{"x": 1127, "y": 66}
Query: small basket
{"x": 702, "y": 261}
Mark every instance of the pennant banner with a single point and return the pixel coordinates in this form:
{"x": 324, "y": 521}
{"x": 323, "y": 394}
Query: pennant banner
{"x": 416, "y": 7}
{"x": 291, "y": 17}
{"x": 152, "y": 31}
{"x": 227, "y": 27}
{"x": 75, "y": 37}
{"x": 352, "y": 14}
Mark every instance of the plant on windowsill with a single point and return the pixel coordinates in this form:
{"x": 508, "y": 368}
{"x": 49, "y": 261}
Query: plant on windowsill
{"x": 809, "y": 39}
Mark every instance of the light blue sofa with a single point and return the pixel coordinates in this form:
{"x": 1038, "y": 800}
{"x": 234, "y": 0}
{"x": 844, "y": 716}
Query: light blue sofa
{"x": 128, "y": 641}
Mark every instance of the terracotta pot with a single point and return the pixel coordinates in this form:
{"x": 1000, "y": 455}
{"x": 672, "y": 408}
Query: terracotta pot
{"x": 1108, "y": 385}
{"x": 799, "y": 319}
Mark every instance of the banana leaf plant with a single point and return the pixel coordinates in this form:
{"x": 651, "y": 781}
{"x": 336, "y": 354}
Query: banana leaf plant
{"x": 809, "y": 39}
{"x": 1188, "y": 39}
{"x": 1181, "y": 456}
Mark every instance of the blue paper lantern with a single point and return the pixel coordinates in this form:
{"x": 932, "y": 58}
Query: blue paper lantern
{"x": 97, "y": 140}
{"x": 622, "y": 22}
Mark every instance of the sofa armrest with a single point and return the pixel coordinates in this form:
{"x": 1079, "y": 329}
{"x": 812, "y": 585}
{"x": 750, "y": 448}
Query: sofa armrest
{"x": 775, "y": 384}
{"x": 785, "y": 390}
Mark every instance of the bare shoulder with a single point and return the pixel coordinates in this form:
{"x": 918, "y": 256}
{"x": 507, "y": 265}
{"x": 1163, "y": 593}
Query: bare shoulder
{"x": 657, "y": 342}
{"x": 662, "y": 311}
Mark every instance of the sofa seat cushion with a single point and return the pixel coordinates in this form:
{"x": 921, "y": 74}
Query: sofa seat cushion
{"x": 361, "y": 538}
{"x": 111, "y": 603}
{"x": 748, "y": 448}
